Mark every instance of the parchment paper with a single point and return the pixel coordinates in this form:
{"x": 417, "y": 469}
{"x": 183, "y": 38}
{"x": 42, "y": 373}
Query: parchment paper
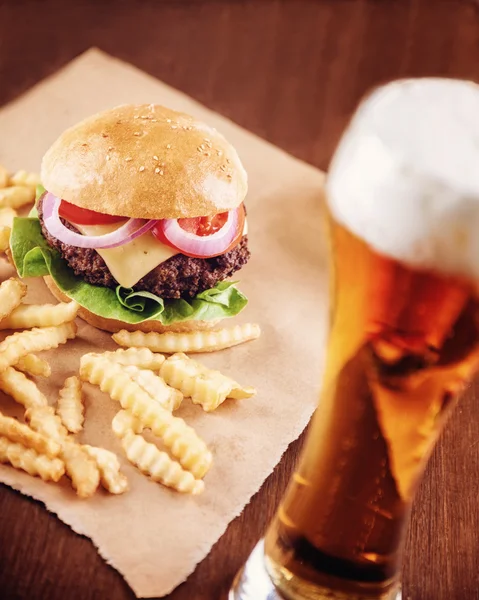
{"x": 152, "y": 536}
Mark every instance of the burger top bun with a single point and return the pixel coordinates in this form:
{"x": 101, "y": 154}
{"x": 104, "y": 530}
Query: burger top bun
{"x": 145, "y": 161}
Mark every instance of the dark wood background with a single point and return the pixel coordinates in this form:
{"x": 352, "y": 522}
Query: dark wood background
{"x": 292, "y": 72}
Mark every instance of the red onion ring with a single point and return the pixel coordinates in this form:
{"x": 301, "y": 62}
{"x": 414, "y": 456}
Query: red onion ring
{"x": 132, "y": 229}
{"x": 201, "y": 246}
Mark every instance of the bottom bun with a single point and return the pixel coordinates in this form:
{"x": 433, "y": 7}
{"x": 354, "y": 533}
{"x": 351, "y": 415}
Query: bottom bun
{"x": 113, "y": 325}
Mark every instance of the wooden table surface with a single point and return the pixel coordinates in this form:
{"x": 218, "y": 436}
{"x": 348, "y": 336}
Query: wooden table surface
{"x": 291, "y": 72}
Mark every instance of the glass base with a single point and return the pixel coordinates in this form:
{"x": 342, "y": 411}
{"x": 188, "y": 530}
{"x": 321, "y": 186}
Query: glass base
{"x": 254, "y": 583}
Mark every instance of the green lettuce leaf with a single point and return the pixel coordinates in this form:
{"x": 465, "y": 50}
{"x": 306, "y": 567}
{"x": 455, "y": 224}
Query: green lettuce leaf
{"x": 39, "y": 193}
{"x": 34, "y": 257}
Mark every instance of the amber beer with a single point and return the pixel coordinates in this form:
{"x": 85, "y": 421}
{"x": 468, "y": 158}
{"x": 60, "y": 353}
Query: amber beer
{"x": 402, "y": 195}
{"x": 402, "y": 344}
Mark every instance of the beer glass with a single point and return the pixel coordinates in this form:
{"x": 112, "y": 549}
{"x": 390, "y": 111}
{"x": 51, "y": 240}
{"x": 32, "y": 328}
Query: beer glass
{"x": 404, "y": 340}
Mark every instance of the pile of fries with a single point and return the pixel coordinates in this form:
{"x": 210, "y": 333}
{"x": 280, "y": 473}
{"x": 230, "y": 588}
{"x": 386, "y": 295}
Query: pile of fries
{"x": 44, "y": 445}
{"x": 149, "y": 387}
{"x": 16, "y": 191}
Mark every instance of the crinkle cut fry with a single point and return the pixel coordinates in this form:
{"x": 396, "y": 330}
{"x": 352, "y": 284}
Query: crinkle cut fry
{"x": 151, "y": 461}
{"x": 26, "y": 459}
{"x": 81, "y": 469}
{"x": 25, "y": 178}
{"x": 34, "y": 365}
{"x": 112, "y": 479}
{"x": 204, "y": 386}
{"x": 17, "y": 345}
{"x": 27, "y": 316}
{"x": 182, "y": 441}
{"x": 11, "y": 293}
{"x": 21, "y": 389}
{"x": 155, "y": 386}
{"x": 138, "y": 357}
{"x": 22, "y": 434}
{"x": 124, "y": 421}
{"x": 44, "y": 420}
{"x": 6, "y": 216}
{"x": 191, "y": 341}
{"x": 5, "y": 232}
{"x": 16, "y": 196}
{"x": 70, "y": 406}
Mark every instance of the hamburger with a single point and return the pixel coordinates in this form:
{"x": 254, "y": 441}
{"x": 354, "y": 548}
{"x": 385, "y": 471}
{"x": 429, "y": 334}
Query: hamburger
{"x": 141, "y": 220}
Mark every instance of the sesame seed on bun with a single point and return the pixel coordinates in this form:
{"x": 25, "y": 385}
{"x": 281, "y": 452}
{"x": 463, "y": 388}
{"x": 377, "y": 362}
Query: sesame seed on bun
{"x": 145, "y": 161}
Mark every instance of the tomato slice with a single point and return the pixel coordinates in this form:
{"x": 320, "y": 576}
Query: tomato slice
{"x": 83, "y": 216}
{"x": 190, "y": 225}
{"x": 204, "y": 226}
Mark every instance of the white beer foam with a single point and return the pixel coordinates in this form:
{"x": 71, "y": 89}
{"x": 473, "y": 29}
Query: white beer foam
{"x": 405, "y": 176}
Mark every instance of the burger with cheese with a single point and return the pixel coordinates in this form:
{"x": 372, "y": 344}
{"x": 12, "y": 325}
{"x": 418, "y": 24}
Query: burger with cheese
{"x": 141, "y": 221}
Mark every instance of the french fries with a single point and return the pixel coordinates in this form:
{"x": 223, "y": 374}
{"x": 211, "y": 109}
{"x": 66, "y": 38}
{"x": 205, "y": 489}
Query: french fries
{"x": 81, "y": 469}
{"x": 17, "y": 190}
{"x": 138, "y": 357}
{"x": 11, "y": 293}
{"x": 26, "y": 179}
{"x": 149, "y": 459}
{"x": 158, "y": 465}
{"x": 165, "y": 395}
{"x": 70, "y": 405}
{"x": 4, "y": 238}
{"x": 22, "y": 434}
{"x": 193, "y": 341}
{"x": 206, "y": 387}
{"x": 26, "y": 459}
{"x": 17, "y": 345}
{"x": 124, "y": 421}
{"x": 112, "y": 479}
{"x": 35, "y": 447}
{"x": 26, "y": 316}
{"x": 31, "y": 364}
{"x": 21, "y": 389}
{"x": 47, "y": 434}
{"x": 44, "y": 420}
{"x": 7, "y": 215}
{"x": 182, "y": 441}
{"x": 16, "y": 196}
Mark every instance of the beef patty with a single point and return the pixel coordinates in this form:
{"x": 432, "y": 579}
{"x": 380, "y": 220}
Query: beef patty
{"x": 178, "y": 277}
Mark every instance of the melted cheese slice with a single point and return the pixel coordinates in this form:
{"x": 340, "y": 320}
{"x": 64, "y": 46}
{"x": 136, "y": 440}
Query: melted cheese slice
{"x": 129, "y": 263}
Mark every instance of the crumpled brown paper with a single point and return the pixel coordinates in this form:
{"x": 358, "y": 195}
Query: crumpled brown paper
{"x": 153, "y": 536}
